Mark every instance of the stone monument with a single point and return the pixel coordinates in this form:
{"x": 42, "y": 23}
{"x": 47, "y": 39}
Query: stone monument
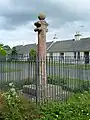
{"x": 43, "y": 90}
{"x": 41, "y": 28}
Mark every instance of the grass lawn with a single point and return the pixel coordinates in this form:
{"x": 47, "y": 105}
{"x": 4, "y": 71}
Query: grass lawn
{"x": 74, "y": 83}
{"x": 5, "y": 69}
{"x": 70, "y": 65}
{"x": 77, "y": 66}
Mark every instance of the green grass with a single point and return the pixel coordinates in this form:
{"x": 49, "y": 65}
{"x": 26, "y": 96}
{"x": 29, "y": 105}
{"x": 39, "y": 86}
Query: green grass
{"x": 3, "y": 70}
{"x": 17, "y": 61}
{"x": 70, "y": 65}
{"x": 78, "y": 66}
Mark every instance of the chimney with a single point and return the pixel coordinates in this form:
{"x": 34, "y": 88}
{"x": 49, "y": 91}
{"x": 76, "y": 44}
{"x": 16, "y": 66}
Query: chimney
{"x": 77, "y": 36}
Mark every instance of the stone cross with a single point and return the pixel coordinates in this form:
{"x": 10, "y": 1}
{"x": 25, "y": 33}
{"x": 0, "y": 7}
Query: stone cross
{"x": 41, "y": 28}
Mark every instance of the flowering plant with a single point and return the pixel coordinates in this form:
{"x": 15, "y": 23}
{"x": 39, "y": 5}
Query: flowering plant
{"x": 13, "y": 104}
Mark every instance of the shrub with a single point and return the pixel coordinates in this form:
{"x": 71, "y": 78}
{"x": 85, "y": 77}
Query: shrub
{"x": 70, "y": 84}
{"x": 29, "y": 81}
{"x": 32, "y": 55}
{"x": 56, "y": 80}
{"x": 76, "y": 108}
{"x": 18, "y": 84}
{"x": 12, "y": 103}
{"x": 16, "y": 107}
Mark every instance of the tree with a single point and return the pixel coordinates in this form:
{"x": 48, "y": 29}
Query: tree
{"x": 3, "y": 53}
{"x": 14, "y": 54}
{"x": 32, "y": 54}
{"x": 2, "y": 50}
{"x": 14, "y": 51}
{"x": 1, "y": 45}
{"x": 7, "y": 48}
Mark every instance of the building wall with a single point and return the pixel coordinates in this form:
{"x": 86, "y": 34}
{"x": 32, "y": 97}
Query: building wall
{"x": 82, "y": 54}
{"x": 48, "y": 54}
{"x": 56, "y": 54}
{"x": 69, "y": 54}
{"x": 69, "y": 57}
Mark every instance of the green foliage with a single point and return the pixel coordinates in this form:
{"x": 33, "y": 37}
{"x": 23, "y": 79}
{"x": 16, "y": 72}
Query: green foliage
{"x": 2, "y": 51}
{"x": 7, "y": 47}
{"x": 13, "y": 104}
{"x": 16, "y": 107}
{"x": 18, "y": 84}
{"x": 56, "y": 80}
{"x": 14, "y": 51}
{"x": 70, "y": 84}
{"x": 32, "y": 54}
{"x": 13, "y": 55}
{"x": 29, "y": 81}
{"x": 1, "y": 45}
{"x": 76, "y": 108}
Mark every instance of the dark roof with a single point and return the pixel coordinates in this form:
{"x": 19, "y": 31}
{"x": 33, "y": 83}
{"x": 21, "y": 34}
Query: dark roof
{"x": 48, "y": 44}
{"x": 71, "y": 45}
{"x": 81, "y": 45}
{"x": 61, "y": 46}
{"x": 26, "y": 49}
{"x": 18, "y": 48}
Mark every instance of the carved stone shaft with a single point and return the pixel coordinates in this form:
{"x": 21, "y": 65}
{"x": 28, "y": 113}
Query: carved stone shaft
{"x": 41, "y": 28}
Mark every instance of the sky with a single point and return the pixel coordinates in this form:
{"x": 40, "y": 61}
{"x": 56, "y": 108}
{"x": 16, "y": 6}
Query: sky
{"x": 65, "y": 17}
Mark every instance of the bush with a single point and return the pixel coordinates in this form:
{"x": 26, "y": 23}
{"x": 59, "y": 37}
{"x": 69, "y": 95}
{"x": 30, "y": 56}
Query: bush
{"x": 70, "y": 84}
{"x": 56, "y": 80}
{"x": 18, "y": 84}
{"x": 29, "y": 81}
{"x": 15, "y": 107}
{"x": 76, "y": 108}
{"x": 32, "y": 55}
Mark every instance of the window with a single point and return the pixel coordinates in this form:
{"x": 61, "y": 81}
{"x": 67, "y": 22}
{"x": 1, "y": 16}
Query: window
{"x": 78, "y": 55}
{"x": 75, "y": 55}
{"x": 62, "y": 55}
{"x": 86, "y": 54}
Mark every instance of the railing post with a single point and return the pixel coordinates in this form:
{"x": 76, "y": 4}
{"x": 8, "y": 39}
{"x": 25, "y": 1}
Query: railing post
{"x": 37, "y": 79}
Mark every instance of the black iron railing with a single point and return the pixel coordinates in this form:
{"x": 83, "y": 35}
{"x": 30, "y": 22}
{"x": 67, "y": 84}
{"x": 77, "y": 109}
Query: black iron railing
{"x": 65, "y": 76}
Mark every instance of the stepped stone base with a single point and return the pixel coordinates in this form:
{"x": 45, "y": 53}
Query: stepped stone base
{"x": 53, "y": 92}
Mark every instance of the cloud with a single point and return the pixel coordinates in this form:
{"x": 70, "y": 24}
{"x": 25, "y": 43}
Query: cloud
{"x": 20, "y": 12}
{"x": 64, "y": 17}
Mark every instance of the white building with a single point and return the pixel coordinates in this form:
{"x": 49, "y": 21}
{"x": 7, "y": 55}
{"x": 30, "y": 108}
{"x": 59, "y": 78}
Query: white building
{"x": 74, "y": 49}
{"x": 78, "y": 48}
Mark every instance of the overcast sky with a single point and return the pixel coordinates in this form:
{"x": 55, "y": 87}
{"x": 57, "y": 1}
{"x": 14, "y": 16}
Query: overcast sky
{"x": 17, "y": 19}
